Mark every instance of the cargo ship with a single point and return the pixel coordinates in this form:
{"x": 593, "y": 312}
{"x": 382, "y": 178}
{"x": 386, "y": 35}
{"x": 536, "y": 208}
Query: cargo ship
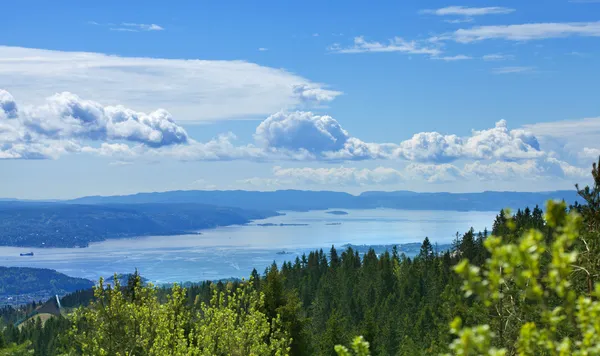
{"x": 27, "y": 254}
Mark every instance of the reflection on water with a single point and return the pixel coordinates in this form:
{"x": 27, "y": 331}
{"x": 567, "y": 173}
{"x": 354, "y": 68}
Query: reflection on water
{"x": 234, "y": 250}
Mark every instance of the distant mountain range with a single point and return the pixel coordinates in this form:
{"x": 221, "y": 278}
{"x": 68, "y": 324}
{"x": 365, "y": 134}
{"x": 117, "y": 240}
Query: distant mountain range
{"x": 77, "y": 222}
{"x": 301, "y": 200}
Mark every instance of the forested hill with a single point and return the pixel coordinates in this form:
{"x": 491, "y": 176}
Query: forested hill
{"x": 301, "y": 200}
{"x": 76, "y": 225}
{"x": 20, "y": 285}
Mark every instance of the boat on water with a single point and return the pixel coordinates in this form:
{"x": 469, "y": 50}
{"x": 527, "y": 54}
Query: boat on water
{"x": 27, "y": 254}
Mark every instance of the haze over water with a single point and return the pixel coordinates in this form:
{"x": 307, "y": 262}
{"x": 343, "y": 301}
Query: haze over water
{"x": 234, "y": 250}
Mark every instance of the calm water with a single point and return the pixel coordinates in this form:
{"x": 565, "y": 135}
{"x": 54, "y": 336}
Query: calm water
{"x": 233, "y": 251}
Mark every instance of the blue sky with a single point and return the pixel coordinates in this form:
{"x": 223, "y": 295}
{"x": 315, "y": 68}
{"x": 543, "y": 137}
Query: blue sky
{"x": 121, "y": 97}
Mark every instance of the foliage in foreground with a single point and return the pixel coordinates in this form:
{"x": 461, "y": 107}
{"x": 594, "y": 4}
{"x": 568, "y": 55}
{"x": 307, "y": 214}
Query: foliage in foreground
{"x": 136, "y": 323}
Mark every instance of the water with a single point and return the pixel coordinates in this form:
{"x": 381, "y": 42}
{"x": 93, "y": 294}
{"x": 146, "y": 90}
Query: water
{"x": 234, "y": 250}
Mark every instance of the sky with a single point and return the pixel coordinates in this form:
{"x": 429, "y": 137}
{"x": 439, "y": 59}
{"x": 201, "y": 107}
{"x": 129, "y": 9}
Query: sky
{"x": 114, "y": 97}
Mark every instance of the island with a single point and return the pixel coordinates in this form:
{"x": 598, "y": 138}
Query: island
{"x": 281, "y": 224}
{"x": 337, "y": 212}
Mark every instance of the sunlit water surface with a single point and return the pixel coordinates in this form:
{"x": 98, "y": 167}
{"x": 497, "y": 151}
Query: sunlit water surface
{"x": 234, "y": 250}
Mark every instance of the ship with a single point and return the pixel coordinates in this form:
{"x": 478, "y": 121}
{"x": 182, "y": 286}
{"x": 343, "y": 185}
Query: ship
{"x": 27, "y": 254}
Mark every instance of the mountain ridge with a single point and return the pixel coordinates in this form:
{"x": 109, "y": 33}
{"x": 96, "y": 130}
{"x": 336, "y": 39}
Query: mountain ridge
{"x": 304, "y": 200}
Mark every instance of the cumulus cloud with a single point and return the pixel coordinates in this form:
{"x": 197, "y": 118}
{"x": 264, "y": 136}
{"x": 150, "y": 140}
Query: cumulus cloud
{"x": 66, "y": 123}
{"x": 54, "y": 128}
{"x": 313, "y": 93}
{"x": 66, "y": 116}
{"x": 302, "y": 130}
{"x": 502, "y": 143}
{"x": 495, "y": 143}
{"x": 304, "y": 135}
{"x": 190, "y": 89}
{"x": 8, "y": 106}
{"x": 431, "y": 146}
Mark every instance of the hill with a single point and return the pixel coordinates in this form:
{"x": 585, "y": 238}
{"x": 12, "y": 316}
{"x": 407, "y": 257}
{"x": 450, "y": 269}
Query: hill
{"x": 20, "y": 285}
{"x": 76, "y": 225}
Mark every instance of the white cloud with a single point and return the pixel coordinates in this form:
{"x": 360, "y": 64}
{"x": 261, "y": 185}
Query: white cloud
{"x": 434, "y": 173}
{"x": 61, "y": 124}
{"x": 396, "y": 44}
{"x": 460, "y": 57}
{"x": 24, "y": 147}
{"x": 304, "y": 135}
{"x": 343, "y": 176}
{"x": 494, "y": 143}
{"x": 66, "y": 124}
{"x": 221, "y": 148}
{"x": 511, "y": 70}
{"x": 116, "y": 150}
{"x": 468, "y": 11}
{"x": 191, "y": 90}
{"x": 462, "y": 20}
{"x": 497, "y": 57}
{"x": 66, "y": 116}
{"x": 313, "y": 93}
{"x": 495, "y": 171}
{"x": 302, "y": 130}
{"x": 129, "y": 26}
{"x": 263, "y": 49}
{"x": 501, "y": 143}
{"x": 531, "y": 169}
{"x": 8, "y": 106}
{"x": 524, "y": 32}
{"x": 590, "y": 152}
{"x": 569, "y": 138}
{"x": 567, "y": 128}
{"x": 431, "y": 147}
{"x": 142, "y": 26}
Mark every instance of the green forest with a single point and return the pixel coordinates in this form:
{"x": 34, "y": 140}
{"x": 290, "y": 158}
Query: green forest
{"x": 528, "y": 287}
